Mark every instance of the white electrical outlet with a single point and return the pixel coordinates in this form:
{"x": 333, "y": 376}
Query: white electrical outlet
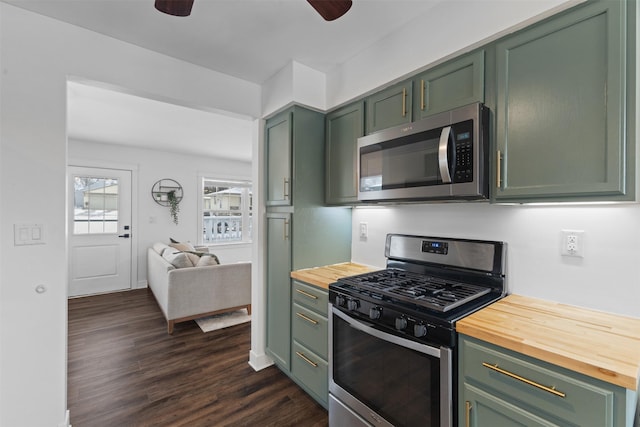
{"x": 572, "y": 243}
{"x": 364, "y": 233}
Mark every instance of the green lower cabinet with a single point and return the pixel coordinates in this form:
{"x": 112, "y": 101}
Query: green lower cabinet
{"x": 310, "y": 329}
{"x": 499, "y": 387}
{"x": 279, "y": 288}
{"x": 312, "y": 373}
{"x": 483, "y": 409}
{"x": 310, "y": 340}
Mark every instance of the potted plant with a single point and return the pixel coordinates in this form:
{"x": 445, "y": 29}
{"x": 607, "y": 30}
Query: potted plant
{"x": 174, "y": 207}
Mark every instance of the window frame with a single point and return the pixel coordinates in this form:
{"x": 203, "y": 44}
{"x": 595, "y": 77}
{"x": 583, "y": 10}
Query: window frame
{"x": 245, "y": 208}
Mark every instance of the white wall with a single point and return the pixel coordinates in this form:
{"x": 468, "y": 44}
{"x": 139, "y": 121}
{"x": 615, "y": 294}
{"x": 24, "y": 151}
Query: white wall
{"x": 37, "y": 55}
{"x": 154, "y": 222}
{"x": 607, "y": 278}
{"x": 294, "y": 83}
{"x": 448, "y": 28}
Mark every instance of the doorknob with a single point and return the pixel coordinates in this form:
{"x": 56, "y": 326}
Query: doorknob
{"x": 126, "y": 236}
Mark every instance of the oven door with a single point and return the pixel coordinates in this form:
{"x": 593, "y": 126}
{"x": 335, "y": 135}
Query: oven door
{"x": 380, "y": 379}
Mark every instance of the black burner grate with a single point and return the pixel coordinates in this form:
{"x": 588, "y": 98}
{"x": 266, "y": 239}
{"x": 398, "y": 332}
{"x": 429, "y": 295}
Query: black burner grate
{"x": 425, "y": 291}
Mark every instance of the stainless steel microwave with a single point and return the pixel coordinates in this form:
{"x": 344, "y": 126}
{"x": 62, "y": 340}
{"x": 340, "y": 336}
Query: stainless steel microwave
{"x": 442, "y": 157}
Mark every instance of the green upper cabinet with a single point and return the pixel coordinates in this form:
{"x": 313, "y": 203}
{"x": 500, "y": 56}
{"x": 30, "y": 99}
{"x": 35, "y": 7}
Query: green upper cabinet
{"x": 565, "y": 99}
{"x": 390, "y": 107}
{"x": 343, "y": 128}
{"x": 453, "y": 84}
{"x": 278, "y": 151}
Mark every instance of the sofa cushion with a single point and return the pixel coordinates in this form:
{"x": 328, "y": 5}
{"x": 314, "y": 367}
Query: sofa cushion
{"x": 177, "y": 259}
{"x": 207, "y": 259}
{"x": 159, "y": 247}
{"x": 182, "y": 246}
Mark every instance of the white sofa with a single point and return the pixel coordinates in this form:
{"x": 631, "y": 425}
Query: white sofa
{"x": 186, "y": 292}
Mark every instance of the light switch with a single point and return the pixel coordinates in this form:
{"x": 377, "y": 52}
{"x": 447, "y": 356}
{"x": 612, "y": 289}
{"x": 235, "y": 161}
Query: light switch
{"x": 28, "y": 234}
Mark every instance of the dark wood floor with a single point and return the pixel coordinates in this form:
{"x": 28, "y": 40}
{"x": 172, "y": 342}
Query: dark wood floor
{"x": 125, "y": 370}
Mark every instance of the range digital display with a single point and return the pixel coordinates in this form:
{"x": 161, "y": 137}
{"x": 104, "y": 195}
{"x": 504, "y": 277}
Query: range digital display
{"x": 435, "y": 247}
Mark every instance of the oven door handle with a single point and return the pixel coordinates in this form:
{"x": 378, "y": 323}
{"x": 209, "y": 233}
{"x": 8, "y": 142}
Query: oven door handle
{"x": 356, "y": 324}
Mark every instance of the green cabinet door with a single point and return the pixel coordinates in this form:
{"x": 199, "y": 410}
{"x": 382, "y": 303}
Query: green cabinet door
{"x": 343, "y": 128}
{"x": 390, "y": 107}
{"x": 279, "y": 288}
{"x": 560, "y": 107}
{"x": 482, "y": 409}
{"x": 278, "y": 151}
{"x": 497, "y": 385}
{"x": 453, "y": 84}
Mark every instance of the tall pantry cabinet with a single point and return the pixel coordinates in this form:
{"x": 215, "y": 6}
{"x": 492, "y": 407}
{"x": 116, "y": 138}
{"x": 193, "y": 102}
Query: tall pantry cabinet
{"x": 301, "y": 231}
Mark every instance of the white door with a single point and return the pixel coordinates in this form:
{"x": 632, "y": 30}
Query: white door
{"x": 99, "y": 230}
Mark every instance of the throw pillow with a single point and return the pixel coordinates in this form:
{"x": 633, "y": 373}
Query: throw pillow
{"x": 159, "y": 247}
{"x": 181, "y": 246}
{"x": 177, "y": 259}
{"x": 207, "y": 259}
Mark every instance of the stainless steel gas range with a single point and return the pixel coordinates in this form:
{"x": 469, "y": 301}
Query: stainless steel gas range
{"x": 392, "y": 332}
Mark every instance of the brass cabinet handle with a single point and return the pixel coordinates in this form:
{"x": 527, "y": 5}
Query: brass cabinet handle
{"x": 498, "y": 169}
{"x": 404, "y": 102}
{"x": 467, "y": 409}
{"x": 306, "y": 359}
{"x": 308, "y": 319}
{"x": 286, "y": 229}
{"x": 306, "y": 294}
{"x": 422, "y": 105}
{"x": 286, "y": 188}
{"x": 551, "y": 390}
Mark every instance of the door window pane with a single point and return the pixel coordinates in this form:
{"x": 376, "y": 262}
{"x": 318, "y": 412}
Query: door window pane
{"x": 95, "y": 204}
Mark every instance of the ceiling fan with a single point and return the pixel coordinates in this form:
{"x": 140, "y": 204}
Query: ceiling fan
{"x": 328, "y": 9}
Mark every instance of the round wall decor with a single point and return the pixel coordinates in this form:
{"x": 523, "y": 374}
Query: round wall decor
{"x": 161, "y": 189}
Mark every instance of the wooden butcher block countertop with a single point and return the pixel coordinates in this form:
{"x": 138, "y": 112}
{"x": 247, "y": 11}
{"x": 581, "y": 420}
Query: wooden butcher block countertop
{"x": 323, "y": 276}
{"x": 600, "y": 345}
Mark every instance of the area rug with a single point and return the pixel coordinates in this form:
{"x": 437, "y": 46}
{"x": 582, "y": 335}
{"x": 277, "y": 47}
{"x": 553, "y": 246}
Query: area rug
{"x": 224, "y": 320}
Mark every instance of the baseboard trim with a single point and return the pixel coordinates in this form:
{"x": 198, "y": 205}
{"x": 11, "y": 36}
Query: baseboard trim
{"x": 259, "y": 361}
{"x": 67, "y": 420}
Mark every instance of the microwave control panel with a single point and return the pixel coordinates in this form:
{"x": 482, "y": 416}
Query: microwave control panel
{"x": 463, "y": 141}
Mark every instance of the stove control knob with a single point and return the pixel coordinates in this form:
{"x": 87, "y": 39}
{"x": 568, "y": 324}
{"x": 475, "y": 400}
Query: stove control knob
{"x": 375, "y": 313}
{"x": 401, "y": 323}
{"x": 340, "y": 301}
{"x": 353, "y": 304}
{"x": 419, "y": 330}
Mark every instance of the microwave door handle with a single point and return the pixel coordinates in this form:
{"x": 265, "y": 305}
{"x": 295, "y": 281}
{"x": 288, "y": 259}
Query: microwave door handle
{"x": 443, "y": 160}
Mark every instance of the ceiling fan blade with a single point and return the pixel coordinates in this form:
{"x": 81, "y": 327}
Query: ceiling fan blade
{"x": 331, "y": 9}
{"x": 175, "y": 7}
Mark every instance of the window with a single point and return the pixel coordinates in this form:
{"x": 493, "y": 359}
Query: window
{"x": 95, "y": 205}
{"x": 226, "y": 211}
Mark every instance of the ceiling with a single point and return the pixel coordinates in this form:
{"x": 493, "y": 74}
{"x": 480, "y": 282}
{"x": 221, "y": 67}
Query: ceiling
{"x": 248, "y": 39}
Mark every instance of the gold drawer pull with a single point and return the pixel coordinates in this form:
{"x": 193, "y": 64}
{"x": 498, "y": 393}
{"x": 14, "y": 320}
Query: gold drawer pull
{"x": 286, "y": 229}
{"x": 306, "y": 294}
{"x": 308, "y": 319}
{"x": 306, "y": 359}
{"x": 551, "y": 390}
{"x": 467, "y": 410}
